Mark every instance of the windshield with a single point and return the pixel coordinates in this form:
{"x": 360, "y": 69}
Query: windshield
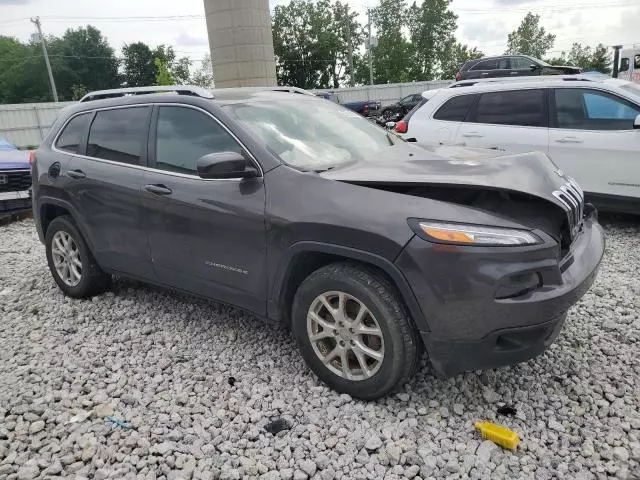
{"x": 633, "y": 88}
{"x": 312, "y": 135}
{"x": 542, "y": 63}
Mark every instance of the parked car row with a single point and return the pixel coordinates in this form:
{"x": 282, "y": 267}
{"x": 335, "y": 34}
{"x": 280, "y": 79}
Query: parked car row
{"x": 589, "y": 126}
{"x": 370, "y": 248}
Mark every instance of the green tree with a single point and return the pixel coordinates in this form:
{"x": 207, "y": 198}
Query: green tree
{"x": 163, "y": 76}
{"x": 203, "y": 76}
{"x": 530, "y": 38}
{"x": 86, "y": 53}
{"x": 597, "y": 59}
{"x": 178, "y": 68}
{"x": 392, "y": 55}
{"x": 311, "y": 42}
{"x": 456, "y": 57}
{"x": 432, "y": 25}
{"x": 139, "y": 68}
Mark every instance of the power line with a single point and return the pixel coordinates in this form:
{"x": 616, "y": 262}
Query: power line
{"x": 472, "y": 11}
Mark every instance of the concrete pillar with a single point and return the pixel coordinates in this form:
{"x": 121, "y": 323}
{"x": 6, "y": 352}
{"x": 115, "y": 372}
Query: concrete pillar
{"x": 241, "y": 43}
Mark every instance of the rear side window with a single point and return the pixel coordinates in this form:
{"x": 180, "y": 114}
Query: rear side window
{"x": 518, "y": 107}
{"x": 455, "y": 109}
{"x": 119, "y": 135}
{"x": 73, "y": 133}
{"x": 486, "y": 65}
{"x": 184, "y": 135}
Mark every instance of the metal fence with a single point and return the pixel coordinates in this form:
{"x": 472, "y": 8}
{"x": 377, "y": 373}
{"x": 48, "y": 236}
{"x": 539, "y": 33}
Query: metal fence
{"x": 386, "y": 94}
{"x": 25, "y": 125}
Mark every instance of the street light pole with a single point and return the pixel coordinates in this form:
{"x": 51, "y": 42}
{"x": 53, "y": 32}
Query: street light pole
{"x": 370, "y": 49}
{"x": 36, "y": 22}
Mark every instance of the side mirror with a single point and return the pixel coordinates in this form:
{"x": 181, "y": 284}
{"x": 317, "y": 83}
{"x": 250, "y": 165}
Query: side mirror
{"x": 636, "y": 123}
{"x": 534, "y": 67}
{"x": 225, "y": 165}
{"x": 390, "y": 125}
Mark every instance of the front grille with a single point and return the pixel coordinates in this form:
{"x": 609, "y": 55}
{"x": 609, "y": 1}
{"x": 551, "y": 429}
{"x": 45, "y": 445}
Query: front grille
{"x": 15, "y": 180}
{"x": 572, "y": 198}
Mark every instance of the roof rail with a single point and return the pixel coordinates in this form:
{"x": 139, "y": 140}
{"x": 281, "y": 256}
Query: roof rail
{"x": 577, "y": 77}
{"x": 290, "y": 90}
{"x": 122, "y": 92}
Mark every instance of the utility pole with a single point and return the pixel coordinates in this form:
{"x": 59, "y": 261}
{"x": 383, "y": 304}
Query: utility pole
{"x": 36, "y": 22}
{"x": 352, "y": 80}
{"x": 370, "y": 49}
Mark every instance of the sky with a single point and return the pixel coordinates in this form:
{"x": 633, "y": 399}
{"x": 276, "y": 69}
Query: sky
{"x": 481, "y": 23}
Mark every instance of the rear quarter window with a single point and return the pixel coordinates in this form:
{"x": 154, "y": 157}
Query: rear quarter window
{"x": 73, "y": 133}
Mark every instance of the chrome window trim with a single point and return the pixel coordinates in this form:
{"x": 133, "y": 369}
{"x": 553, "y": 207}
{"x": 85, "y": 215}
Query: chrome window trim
{"x": 157, "y": 170}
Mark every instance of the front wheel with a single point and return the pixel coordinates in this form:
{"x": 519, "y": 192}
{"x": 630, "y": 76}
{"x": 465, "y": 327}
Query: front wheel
{"x": 354, "y": 332}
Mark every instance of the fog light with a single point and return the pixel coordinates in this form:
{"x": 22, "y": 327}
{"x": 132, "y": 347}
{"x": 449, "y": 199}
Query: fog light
{"x": 517, "y": 285}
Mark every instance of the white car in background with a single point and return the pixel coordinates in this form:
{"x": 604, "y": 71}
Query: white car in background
{"x": 588, "y": 125}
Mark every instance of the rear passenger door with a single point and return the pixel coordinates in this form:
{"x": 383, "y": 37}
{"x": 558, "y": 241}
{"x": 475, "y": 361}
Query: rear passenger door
{"x": 514, "y": 121}
{"x": 105, "y": 179}
{"x": 206, "y": 236}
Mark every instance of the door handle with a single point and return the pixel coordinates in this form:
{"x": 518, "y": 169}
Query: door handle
{"x": 77, "y": 174}
{"x": 472, "y": 135}
{"x": 569, "y": 140}
{"x": 158, "y": 189}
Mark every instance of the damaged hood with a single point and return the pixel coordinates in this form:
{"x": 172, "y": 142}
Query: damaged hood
{"x": 531, "y": 173}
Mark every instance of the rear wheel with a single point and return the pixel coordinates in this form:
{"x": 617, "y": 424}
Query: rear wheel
{"x": 354, "y": 332}
{"x": 71, "y": 263}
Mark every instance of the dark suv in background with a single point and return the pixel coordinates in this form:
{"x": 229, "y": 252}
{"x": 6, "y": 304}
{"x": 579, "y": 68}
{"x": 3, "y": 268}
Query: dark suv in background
{"x": 300, "y": 211}
{"x": 511, "y": 66}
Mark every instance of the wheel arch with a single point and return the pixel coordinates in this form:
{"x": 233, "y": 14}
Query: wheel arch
{"x": 49, "y": 208}
{"x": 303, "y": 258}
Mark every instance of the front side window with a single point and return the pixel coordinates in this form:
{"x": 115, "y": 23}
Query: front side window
{"x": 70, "y": 138}
{"x": 312, "y": 134}
{"x": 119, "y": 135}
{"x": 518, "y": 107}
{"x": 184, "y": 135}
{"x": 455, "y": 109}
{"x": 583, "y": 109}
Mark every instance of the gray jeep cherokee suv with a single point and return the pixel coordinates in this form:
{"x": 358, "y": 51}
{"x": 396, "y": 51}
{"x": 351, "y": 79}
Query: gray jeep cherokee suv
{"x": 302, "y": 212}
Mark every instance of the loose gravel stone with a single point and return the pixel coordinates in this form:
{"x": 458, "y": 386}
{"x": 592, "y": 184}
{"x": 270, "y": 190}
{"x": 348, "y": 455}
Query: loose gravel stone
{"x": 161, "y": 363}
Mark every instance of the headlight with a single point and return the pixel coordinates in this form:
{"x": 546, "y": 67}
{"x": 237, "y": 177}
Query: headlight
{"x": 475, "y": 235}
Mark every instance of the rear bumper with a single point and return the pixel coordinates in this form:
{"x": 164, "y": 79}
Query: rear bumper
{"x": 467, "y": 328}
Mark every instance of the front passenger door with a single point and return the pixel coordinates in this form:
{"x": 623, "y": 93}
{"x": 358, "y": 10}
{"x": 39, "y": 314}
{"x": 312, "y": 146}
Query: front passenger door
{"x": 207, "y": 236}
{"x": 593, "y": 140}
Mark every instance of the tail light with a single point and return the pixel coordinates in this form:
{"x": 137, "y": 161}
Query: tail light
{"x": 402, "y": 127}
{"x": 365, "y": 109}
{"x": 458, "y": 76}
{"x": 32, "y": 158}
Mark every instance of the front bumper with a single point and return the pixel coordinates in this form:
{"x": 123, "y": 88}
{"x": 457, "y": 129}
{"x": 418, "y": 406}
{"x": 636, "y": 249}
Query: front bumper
{"x": 466, "y": 327}
{"x": 13, "y": 203}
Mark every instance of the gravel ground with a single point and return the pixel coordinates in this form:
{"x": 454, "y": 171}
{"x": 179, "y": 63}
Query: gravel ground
{"x": 196, "y": 388}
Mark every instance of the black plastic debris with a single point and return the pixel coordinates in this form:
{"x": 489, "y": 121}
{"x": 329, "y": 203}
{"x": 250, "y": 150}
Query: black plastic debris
{"x": 507, "y": 410}
{"x": 277, "y": 425}
{"x": 232, "y": 381}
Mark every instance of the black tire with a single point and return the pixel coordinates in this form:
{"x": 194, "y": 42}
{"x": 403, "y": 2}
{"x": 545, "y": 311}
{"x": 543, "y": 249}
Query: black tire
{"x": 387, "y": 114}
{"x": 92, "y": 280}
{"x": 402, "y": 346}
